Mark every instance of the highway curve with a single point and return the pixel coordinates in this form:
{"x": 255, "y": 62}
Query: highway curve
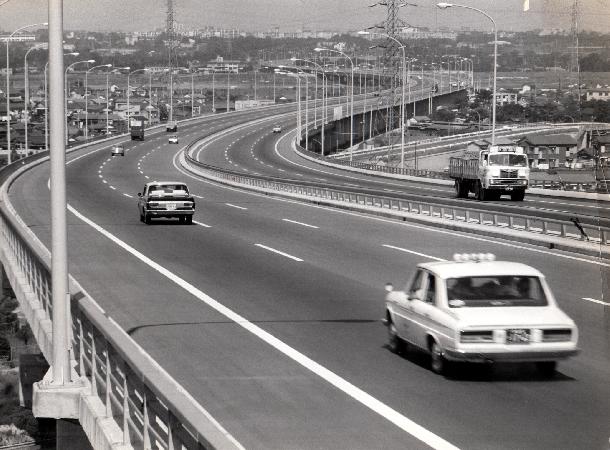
{"x": 271, "y": 318}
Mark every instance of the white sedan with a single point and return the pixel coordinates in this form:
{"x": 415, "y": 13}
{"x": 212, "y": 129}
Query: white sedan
{"x": 173, "y": 139}
{"x": 476, "y": 309}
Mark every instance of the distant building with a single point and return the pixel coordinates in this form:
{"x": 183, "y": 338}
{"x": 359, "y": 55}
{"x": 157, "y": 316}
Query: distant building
{"x": 223, "y": 65}
{"x": 547, "y": 151}
{"x": 505, "y": 98}
{"x": 598, "y": 94}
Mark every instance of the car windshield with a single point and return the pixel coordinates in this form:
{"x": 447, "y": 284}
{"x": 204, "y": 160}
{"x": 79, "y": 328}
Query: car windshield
{"x": 495, "y": 291}
{"x": 507, "y": 159}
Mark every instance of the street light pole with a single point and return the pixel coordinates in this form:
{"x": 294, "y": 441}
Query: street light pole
{"x": 27, "y": 90}
{"x": 60, "y": 365}
{"x": 403, "y": 105}
{"x": 493, "y": 114}
{"x": 66, "y": 92}
{"x": 8, "y": 87}
{"x": 128, "y": 114}
{"x": 351, "y": 134}
{"x": 192, "y": 94}
{"x": 87, "y": 99}
{"x": 316, "y": 101}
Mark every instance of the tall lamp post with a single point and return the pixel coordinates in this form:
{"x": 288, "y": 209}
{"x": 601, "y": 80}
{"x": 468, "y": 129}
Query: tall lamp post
{"x": 324, "y": 82}
{"x": 444, "y": 5}
{"x": 46, "y": 103}
{"x": 88, "y": 61}
{"x": 351, "y": 133}
{"x": 108, "y": 98}
{"x": 402, "y": 106}
{"x": 87, "y": 100}
{"x": 27, "y": 89}
{"x": 129, "y": 96}
{"x": 8, "y": 86}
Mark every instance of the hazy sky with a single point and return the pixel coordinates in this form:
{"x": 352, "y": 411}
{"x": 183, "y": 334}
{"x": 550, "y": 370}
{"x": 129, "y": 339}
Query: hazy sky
{"x": 288, "y": 15}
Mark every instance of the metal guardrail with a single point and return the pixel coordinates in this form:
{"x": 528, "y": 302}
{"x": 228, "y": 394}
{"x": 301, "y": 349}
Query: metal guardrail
{"x": 147, "y": 405}
{"x": 457, "y": 214}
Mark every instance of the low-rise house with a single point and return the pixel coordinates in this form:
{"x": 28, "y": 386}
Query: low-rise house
{"x": 548, "y": 151}
{"x": 505, "y": 98}
{"x": 598, "y": 94}
{"x": 483, "y": 144}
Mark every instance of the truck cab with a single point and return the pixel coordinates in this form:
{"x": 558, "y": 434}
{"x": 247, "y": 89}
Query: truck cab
{"x": 500, "y": 170}
{"x": 171, "y": 127}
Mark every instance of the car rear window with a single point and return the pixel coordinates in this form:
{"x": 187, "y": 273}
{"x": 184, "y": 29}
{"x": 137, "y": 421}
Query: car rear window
{"x": 168, "y": 189}
{"x": 495, "y": 291}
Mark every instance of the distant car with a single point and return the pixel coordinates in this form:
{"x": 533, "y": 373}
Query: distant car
{"x": 166, "y": 199}
{"x": 173, "y": 139}
{"x": 171, "y": 126}
{"x": 476, "y": 309}
{"x": 277, "y": 129}
{"x": 118, "y": 150}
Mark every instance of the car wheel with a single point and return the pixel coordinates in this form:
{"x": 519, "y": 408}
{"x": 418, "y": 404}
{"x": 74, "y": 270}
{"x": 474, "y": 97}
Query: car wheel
{"x": 189, "y": 220}
{"x": 395, "y": 343}
{"x": 181, "y": 219}
{"x": 437, "y": 360}
{"x": 147, "y": 219}
{"x": 547, "y": 368}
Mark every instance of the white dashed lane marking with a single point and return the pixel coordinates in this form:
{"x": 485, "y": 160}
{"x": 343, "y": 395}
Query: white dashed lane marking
{"x": 300, "y": 223}
{"x": 279, "y": 252}
{"x": 235, "y": 206}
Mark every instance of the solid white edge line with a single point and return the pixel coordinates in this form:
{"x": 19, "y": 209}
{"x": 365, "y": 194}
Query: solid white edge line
{"x": 596, "y": 301}
{"x": 300, "y": 223}
{"x": 279, "y": 252}
{"x": 413, "y": 252}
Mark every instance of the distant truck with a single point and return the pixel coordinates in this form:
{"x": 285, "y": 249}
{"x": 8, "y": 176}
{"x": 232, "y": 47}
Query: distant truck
{"x": 501, "y": 170}
{"x": 171, "y": 126}
{"x": 137, "y": 129}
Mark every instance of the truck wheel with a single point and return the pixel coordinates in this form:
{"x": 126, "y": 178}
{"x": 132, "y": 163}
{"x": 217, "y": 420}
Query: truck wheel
{"x": 517, "y": 196}
{"x": 147, "y": 219}
{"x": 189, "y": 220}
{"x": 479, "y": 192}
{"x": 461, "y": 189}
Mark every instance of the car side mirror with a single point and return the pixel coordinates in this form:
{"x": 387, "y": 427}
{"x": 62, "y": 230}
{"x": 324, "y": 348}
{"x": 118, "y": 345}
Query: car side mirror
{"x": 389, "y": 287}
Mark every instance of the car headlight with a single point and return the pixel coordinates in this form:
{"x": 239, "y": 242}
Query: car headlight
{"x": 494, "y": 172}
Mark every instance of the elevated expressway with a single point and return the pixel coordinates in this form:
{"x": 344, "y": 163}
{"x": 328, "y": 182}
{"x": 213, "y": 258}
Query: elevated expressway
{"x": 267, "y": 310}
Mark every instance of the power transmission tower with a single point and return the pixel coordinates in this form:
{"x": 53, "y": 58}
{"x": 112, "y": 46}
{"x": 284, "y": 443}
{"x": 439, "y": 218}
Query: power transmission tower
{"x": 574, "y": 60}
{"x": 170, "y": 31}
{"x": 392, "y": 60}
